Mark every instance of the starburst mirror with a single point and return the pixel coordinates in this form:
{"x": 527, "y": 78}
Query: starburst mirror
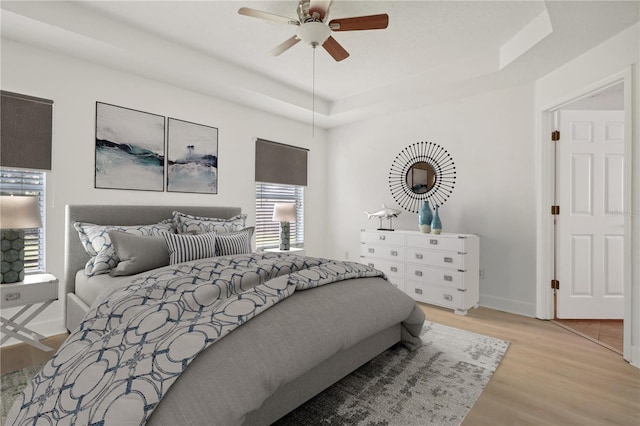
{"x": 422, "y": 171}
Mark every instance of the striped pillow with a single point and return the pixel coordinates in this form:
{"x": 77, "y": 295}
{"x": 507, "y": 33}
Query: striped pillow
{"x": 185, "y": 247}
{"x": 234, "y": 242}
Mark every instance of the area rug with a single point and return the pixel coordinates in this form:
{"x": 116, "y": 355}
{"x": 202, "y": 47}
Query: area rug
{"x": 434, "y": 385}
{"x": 11, "y": 384}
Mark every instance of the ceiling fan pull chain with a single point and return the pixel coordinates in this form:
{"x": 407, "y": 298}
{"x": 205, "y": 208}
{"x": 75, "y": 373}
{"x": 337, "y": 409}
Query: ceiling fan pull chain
{"x": 313, "y": 96}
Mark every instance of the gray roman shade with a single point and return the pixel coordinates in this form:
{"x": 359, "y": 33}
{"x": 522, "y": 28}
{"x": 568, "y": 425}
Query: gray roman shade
{"x": 279, "y": 163}
{"x": 25, "y": 131}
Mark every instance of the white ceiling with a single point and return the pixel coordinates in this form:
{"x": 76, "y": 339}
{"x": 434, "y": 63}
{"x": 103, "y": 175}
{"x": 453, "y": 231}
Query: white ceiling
{"x": 432, "y": 51}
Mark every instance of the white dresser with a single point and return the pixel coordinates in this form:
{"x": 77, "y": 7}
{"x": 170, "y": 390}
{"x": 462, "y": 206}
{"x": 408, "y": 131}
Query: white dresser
{"x": 439, "y": 269}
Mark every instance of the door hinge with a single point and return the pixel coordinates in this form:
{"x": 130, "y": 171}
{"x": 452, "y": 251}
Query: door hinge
{"x": 555, "y": 210}
{"x": 555, "y": 284}
{"x": 555, "y": 135}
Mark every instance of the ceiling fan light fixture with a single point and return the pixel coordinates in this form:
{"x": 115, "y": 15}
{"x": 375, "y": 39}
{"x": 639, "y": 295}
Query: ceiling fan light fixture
{"x": 313, "y": 33}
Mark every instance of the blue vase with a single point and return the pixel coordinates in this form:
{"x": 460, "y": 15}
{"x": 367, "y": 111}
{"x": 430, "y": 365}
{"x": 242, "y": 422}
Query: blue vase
{"x": 425, "y": 217}
{"x": 436, "y": 225}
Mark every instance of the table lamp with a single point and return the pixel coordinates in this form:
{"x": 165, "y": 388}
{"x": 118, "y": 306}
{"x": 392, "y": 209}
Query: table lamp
{"x": 17, "y": 213}
{"x": 284, "y": 213}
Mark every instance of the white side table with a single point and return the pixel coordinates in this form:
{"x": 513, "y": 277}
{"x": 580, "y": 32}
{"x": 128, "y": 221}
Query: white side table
{"x": 293, "y": 250}
{"x": 35, "y": 289}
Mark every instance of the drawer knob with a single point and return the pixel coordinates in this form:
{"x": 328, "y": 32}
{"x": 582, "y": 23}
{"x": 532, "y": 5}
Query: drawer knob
{"x": 433, "y": 242}
{"x": 447, "y": 297}
{"x": 448, "y": 278}
{"x": 419, "y": 256}
{"x": 448, "y": 260}
{"x": 394, "y": 253}
{"x": 372, "y": 250}
{"x": 418, "y": 290}
{"x": 394, "y": 269}
{"x": 418, "y": 273}
{"x": 382, "y": 237}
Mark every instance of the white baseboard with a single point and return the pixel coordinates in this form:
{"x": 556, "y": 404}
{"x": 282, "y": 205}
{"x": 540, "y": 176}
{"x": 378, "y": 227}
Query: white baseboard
{"x": 508, "y": 305}
{"x": 46, "y": 328}
{"x": 635, "y": 356}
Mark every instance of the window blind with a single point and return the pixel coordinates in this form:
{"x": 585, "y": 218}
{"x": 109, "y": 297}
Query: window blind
{"x": 267, "y": 231}
{"x": 25, "y": 182}
{"x": 25, "y": 131}
{"x": 280, "y": 163}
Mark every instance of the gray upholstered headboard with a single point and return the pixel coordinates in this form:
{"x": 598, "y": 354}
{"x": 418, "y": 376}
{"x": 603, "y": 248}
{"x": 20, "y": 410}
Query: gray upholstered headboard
{"x": 75, "y": 257}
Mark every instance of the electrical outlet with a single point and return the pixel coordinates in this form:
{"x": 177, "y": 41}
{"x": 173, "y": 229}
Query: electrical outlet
{"x": 482, "y": 273}
{"x": 12, "y": 296}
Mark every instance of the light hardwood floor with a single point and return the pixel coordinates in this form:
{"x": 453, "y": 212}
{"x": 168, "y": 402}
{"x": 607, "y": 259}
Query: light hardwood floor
{"x": 21, "y": 355}
{"x": 549, "y": 375}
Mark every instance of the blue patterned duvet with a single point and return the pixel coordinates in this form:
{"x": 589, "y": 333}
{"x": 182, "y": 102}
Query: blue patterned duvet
{"x": 118, "y": 364}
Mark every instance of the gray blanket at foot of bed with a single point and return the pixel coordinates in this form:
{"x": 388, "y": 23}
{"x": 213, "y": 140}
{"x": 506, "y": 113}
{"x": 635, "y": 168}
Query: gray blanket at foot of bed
{"x": 232, "y": 378}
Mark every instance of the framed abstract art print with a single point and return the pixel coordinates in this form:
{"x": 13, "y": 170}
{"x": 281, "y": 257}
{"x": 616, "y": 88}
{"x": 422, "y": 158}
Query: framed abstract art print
{"x": 130, "y": 149}
{"x": 192, "y": 160}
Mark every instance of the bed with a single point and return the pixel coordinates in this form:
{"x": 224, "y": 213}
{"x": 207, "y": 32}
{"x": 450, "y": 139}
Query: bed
{"x": 267, "y": 365}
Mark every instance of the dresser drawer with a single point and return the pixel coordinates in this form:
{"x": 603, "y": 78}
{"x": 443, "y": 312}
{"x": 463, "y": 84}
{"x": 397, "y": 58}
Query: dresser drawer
{"x": 391, "y": 269}
{"x": 384, "y": 252}
{"x": 435, "y": 294}
{"x": 439, "y": 276}
{"x": 436, "y": 258}
{"x": 386, "y": 238}
{"x": 436, "y": 242}
{"x": 439, "y": 269}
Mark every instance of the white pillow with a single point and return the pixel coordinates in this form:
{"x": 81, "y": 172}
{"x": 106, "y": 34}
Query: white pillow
{"x": 189, "y": 224}
{"x": 97, "y": 244}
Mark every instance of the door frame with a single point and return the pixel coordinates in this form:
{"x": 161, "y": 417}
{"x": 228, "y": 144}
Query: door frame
{"x": 545, "y": 184}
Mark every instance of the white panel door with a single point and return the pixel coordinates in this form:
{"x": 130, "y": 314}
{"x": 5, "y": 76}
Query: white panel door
{"x": 590, "y": 227}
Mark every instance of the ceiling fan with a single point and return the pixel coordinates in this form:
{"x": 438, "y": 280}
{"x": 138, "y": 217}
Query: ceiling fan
{"x": 313, "y": 28}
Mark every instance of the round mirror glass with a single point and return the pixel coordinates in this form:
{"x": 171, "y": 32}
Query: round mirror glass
{"x": 421, "y": 177}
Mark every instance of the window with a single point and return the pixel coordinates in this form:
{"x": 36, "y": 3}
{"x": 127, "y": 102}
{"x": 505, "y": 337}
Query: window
{"x": 281, "y": 175}
{"x": 267, "y": 231}
{"x": 28, "y": 182}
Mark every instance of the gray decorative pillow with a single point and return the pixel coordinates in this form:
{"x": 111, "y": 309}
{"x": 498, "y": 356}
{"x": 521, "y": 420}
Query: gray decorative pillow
{"x": 186, "y": 247}
{"x": 138, "y": 253}
{"x": 234, "y": 242}
{"x": 97, "y": 244}
{"x": 186, "y": 223}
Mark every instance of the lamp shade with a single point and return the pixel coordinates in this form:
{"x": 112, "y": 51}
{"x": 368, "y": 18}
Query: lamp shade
{"x": 19, "y": 212}
{"x": 284, "y": 212}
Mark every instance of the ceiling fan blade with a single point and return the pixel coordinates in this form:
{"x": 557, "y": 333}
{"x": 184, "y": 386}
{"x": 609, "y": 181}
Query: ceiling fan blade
{"x": 321, "y": 7}
{"x": 372, "y": 22}
{"x": 268, "y": 16}
{"x": 284, "y": 46}
{"x": 335, "y": 49}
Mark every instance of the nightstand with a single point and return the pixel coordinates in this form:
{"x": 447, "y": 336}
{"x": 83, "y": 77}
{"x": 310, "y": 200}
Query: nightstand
{"x": 35, "y": 289}
{"x": 294, "y": 250}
